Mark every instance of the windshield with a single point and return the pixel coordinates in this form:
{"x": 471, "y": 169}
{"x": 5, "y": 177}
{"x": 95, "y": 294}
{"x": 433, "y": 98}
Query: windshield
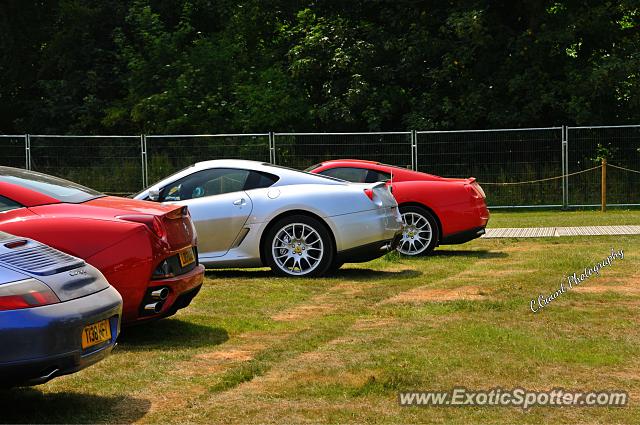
{"x": 60, "y": 189}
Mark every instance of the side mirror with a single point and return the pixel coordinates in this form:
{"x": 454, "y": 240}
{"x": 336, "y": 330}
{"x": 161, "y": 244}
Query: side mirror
{"x": 154, "y": 195}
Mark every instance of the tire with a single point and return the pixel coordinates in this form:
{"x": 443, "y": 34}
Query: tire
{"x": 311, "y": 254}
{"x": 419, "y": 233}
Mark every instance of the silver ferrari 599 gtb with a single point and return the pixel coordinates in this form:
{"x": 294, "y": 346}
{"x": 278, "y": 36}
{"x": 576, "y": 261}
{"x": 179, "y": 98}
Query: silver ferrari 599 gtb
{"x": 251, "y": 214}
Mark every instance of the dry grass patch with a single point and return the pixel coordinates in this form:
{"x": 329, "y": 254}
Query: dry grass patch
{"x": 302, "y": 312}
{"x": 319, "y": 305}
{"x": 242, "y": 348}
{"x": 421, "y": 295}
{"x": 617, "y": 284}
{"x": 368, "y": 324}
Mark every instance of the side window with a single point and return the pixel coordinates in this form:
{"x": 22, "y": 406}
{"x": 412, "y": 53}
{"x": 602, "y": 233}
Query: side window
{"x": 355, "y": 175}
{"x": 377, "y": 176}
{"x": 259, "y": 180}
{"x": 7, "y": 204}
{"x": 211, "y": 182}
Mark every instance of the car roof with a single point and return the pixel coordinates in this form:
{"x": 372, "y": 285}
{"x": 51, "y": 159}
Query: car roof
{"x": 231, "y": 163}
{"x": 361, "y": 161}
{"x": 287, "y": 176}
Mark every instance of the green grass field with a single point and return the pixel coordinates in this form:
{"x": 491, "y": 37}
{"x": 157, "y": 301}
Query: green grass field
{"x": 255, "y": 348}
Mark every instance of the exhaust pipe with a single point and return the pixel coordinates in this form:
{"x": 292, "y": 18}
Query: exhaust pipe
{"x": 160, "y": 294}
{"x": 153, "y": 307}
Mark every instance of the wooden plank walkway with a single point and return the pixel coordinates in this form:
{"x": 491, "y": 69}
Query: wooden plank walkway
{"x": 545, "y": 232}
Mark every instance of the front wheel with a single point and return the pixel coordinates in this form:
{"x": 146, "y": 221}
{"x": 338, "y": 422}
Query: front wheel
{"x": 419, "y": 231}
{"x": 299, "y": 246}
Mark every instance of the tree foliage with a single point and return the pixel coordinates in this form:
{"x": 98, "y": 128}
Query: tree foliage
{"x": 180, "y": 66}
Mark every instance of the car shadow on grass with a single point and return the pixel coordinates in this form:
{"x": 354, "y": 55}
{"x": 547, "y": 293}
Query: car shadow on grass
{"x": 166, "y": 333}
{"x": 30, "y": 405}
{"x": 261, "y": 273}
{"x": 476, "y": 253}
{"x": 344, "y": 273}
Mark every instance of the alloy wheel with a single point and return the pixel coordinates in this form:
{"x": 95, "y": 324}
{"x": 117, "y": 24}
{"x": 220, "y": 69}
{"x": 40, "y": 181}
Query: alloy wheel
{"x": 416, "y": 234}
{"x": 297, "y": 249}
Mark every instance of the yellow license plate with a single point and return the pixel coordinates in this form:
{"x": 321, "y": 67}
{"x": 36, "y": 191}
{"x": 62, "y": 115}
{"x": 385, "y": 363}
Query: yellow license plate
{"x": 187, "y": 257}
{"x": 96, "y": 334}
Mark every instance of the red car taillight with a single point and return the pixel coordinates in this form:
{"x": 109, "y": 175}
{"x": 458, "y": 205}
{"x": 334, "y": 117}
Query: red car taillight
{"x": 478, "y": 188}
{"x": 25, "y": 294}
{"x": 369, "y": 193}
{"x": 152, "y": 222}
{"x": 179, "y": 213}
{"x": 475, "y": 190}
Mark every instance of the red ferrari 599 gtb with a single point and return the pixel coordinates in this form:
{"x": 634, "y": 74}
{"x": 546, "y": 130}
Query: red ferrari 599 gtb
{"x": 145, "y": 250}
{"x": 435, "y": 210}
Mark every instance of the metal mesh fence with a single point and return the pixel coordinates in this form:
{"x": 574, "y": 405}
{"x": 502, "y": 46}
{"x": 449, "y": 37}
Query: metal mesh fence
{"x": 621, "y": 147}
{"x": 301, "y": 150}
{"x": 13, "y": 151}
{"x": 126, "y": 164}
{"x": 498, "y": 156}
{"x": 109, "y": 164}
{"x": 168, "y": 154}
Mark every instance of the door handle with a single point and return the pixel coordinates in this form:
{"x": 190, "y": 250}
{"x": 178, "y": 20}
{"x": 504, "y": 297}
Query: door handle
{"x": 239, "y": 202}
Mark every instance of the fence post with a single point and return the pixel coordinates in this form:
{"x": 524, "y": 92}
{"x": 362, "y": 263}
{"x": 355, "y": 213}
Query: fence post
{"x": 565, "y": 167}
{"x": 414, "y": 150}
{"x": 143, "y": 160}
{"x": 272, "y": 148}
{"x": 603, "y": 184}
{"x": 27, "y": 151}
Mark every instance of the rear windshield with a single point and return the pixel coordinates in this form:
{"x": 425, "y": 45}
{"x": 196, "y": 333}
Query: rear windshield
{"x": 303, "y": 172}
{"x": 60, "y": 189}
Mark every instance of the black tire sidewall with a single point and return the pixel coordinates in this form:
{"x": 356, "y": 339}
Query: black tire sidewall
{"x": 327, "y": 242}
{"x": 435, "y": 229}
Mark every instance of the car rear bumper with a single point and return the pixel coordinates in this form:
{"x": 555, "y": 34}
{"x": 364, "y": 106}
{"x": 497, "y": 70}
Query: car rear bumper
{"x": 181, "y": 288}
{"x": 365, "y": 228}
{"x": 42, "y": 343}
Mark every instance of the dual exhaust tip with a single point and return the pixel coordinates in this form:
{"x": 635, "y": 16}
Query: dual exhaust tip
{"x": 160, "y": 295}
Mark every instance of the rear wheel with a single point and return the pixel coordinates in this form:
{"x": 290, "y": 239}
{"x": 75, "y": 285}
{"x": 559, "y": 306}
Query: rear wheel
{"x": 419, "y": 231}
{"x": 299, "y": 246}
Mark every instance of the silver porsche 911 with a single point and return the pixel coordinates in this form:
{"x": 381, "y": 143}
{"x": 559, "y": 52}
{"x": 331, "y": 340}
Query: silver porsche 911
{"x": 251, "y": 214}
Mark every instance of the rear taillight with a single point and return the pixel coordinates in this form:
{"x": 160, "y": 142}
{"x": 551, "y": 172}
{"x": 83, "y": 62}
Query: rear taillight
{"x": 478, "y": 188}
{"x": 369, "y": 193}
{"x": 179, "y": 213}
{"x": 152, "y": 222}
{"x": 25, "y": 294}
{"x": 475, "y": 190}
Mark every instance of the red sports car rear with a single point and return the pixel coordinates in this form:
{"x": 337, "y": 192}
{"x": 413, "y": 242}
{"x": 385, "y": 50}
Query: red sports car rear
{"x": 148, "y": 252}
{"x": 435, "y": 210}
